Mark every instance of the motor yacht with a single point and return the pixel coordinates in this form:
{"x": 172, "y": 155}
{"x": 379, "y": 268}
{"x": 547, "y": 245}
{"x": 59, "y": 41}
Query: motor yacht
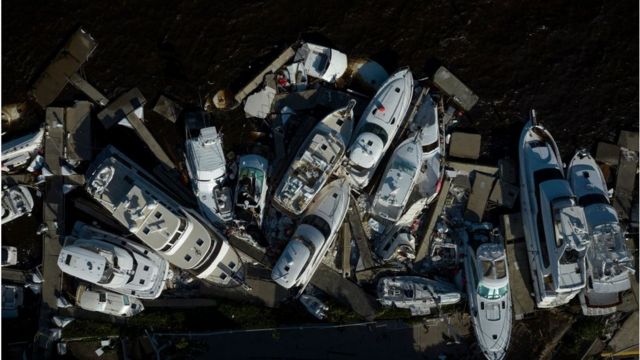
{"x": 378, "y": 126}
{"x": 316, "y": 160}
{"x": 555, "y": 227}
{"x": 313, "y": 237}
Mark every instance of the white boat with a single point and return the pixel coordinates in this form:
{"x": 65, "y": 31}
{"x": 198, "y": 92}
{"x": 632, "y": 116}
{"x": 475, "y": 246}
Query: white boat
{"x": 179, "y": 234}
{"x": 316, "y": 160}
{"x": 107, "y": 302}
{"x": 431, "y": 171}
{"x": 18, "y": 152}
{"x": 489, "y": 295}
{"x": 207, "y": 169}
{"x": 113, "y": 262}
{"x": 314, "y": 306}
{"x": 554, "y": 224}
{"x": 398, "y": 181}
{"x": 418, "y": 294}
{"x": 313, "y": 237}
{"x": 609, "y": 263}
{"x": 378, "y": 126}
{"x": 397, "y": 244}
{"x": 321, "y": 62}
{"x": 251, "y": 190}
{"x": 9, "y": 255}
{"x": 16, "y": 202}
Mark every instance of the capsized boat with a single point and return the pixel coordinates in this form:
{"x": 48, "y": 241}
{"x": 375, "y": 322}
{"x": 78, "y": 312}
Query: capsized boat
{"x": 251, "y": 190}
{"x": 313, "y": 237}
{"x": 179, "y": 234}
{"x": 316, "y": 160}
{"x": 554, "y": 224}
{"x": 107, "y": 302}
{"x": 314, "y": 306}
{"x": 378, "y": 126}
{"x": 609, "y": 263}
{"x": 207, "y": 169}
{"x": 16, "y": 201}
{"x": 18, "y": 152}
{"x": 488, "y": 292}
{"x": 398, "y": 181}
{"x": 113, "y": 262}
{"x": 418, "y": 294}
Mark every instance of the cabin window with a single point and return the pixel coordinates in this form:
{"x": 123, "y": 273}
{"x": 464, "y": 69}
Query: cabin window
{"x": 324, "y": 147}
{"x": 141, "y": 281}
{"x": 66, "y": 261}
{"x": 158, "y": 215}
{"x": 397, "y": 90}
{"x": 393, "y": 121}
{"x": 232, "y": 265}
{"x": 146, "y": 268}
{"x": 187, "y": 257}
{"x": 199, "y": 242}
{"x": 318, "y": 223}
{"x": 125, "y": 299}
{"x": 223, "y": 276}
{"x": 340, "y": 122}
{"x": 102, "y": 297}
{"x": 146, "y": 231}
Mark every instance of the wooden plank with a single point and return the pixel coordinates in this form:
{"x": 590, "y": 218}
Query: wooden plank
{"x": 94, "y": 94}
{"x": 625, "y": 182}
{"x": 346, "y": 251}
{"x": 121, "y": 107}
{"x": 357, "y": 231}
{"x": 447, "y": 82}
{"x": 423, "y": 248}
{"x": 479, "y": 196}
{"x": 519, "y": 278}
{"x": 66, "y": 63}
{"x": 282, "y": 59}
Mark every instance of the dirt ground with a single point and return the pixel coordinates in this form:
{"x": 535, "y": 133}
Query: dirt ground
{"x": 576, "y": 62}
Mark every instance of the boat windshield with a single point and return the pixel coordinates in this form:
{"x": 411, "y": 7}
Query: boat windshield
{"x": 318, "y": 223}
{"x": 491, "y": 293}
{"x": 377, "y": 130}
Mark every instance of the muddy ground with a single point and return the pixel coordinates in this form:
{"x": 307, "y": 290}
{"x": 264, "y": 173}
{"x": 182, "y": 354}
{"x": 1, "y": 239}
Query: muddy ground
{"x": 576, "y": 62}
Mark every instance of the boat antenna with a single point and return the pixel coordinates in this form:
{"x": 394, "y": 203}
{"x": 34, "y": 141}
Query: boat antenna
{"x": 532, "y": 117}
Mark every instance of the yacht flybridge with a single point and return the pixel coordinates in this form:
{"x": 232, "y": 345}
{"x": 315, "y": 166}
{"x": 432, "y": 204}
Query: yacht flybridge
{"x": 554, "y": 224}
{"x": 398, "y": 181}
{"x": 207, "y": 169}
{"x": 378, "y": 126}
{"x": 113, "y": 262}
{"x": 609, "y": 263}
{"x": 487, "y": 283}
{"x": 177, "y": 233}
{"x": 313, "y": 237}
{"x": 315, "y": 161}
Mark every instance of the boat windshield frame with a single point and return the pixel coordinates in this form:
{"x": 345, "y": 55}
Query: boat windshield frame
{"x": 492, "y": 292}
{"x": 377, "y": 130}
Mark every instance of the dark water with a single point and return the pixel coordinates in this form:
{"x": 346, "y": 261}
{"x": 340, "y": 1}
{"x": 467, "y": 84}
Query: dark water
{"x": 576, "y": 62}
